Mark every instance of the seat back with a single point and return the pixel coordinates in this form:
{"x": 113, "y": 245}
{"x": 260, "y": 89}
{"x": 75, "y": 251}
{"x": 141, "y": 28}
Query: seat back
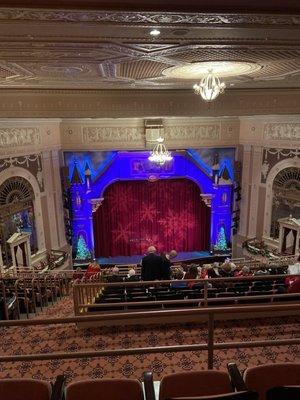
{"x": 283, "y": 392}
{"x": 200, "y": 383}
{"x": 265, "y": 377}
{"x": 103, "y": 389}
{"x": 19, "y": 389}
{"x": 229, "y": 396}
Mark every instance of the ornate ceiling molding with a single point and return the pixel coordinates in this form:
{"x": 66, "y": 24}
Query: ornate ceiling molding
{"x": 144, "y": 104}
{"x": 147, "y": 18}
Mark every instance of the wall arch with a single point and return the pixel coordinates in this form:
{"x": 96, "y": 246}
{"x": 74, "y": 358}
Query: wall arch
{"x": 37, "y": 205}
{"x": 288, "y": 163}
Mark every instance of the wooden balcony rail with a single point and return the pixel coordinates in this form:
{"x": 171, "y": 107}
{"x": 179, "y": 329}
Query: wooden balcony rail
{"x": 210, "y": 346}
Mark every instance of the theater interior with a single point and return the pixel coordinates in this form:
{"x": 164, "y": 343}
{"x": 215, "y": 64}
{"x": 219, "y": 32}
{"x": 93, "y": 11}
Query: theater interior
{"x": 149, "y": 200}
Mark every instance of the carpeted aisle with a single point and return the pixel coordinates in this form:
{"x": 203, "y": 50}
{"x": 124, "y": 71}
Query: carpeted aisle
{"x": 46, "y": 339}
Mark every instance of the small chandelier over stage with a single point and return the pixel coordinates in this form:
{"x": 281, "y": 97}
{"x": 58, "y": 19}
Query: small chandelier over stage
{"x": 209, "y": 87}
{"x": 160, "y": 154}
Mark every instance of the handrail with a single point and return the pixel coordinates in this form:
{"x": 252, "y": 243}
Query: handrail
{"x": 188, "y": 301}
{"x": 166, "y": 282}
{"x": 210, "y": 346}
{"x": 151, "y": 314}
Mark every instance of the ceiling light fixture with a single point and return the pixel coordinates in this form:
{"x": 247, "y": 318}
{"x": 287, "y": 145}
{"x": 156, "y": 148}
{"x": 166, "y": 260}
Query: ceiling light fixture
{"x": 154, "y": 32}
{"x": 160, "y": 154}
{"x": 209, "y": 87}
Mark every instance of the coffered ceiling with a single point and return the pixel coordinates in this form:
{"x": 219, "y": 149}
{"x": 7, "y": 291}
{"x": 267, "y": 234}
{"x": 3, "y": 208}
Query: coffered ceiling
{"x": 58, "y": 47}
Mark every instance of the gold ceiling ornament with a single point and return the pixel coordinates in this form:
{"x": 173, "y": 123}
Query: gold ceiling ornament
{"x": 160, "y": 154}
{"x": 209, "y": 87}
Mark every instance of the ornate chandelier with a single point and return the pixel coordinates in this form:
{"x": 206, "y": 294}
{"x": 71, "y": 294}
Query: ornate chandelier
{"x": 160, "y": 154}
{"x": 209, "y": 87}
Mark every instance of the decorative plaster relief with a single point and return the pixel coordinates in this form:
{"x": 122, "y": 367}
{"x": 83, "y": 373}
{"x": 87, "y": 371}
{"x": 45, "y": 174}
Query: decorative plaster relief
{"x": 272, "y": 156}
{"x": 193, "y": 132}
{"x": 282, "y": 131}
{"x": 99, "y": 134}
{"x": 31, "y": 163}
{"x": 11, "y": 137}
{"x": 145, "y": 17}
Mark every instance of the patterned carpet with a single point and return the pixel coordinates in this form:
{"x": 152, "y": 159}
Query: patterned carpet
{"x": 45, "y": 339}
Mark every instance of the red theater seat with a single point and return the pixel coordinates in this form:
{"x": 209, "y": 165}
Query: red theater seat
{"x": 265, "y": 377}
{"x": 24, "y": 389}
{"x": 191, "y": 384}
{"x": 104, "y": 389}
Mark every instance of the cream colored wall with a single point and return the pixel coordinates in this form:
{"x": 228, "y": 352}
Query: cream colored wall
{"x": 249, "y": 134}
{"x": 257, "y": 133}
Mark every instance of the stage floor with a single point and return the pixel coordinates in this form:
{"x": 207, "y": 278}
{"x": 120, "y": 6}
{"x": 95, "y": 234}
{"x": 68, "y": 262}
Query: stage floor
{"x": 184, "y": 256}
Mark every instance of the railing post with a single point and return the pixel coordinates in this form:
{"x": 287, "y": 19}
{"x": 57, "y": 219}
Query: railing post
{"x": 205, "y": 293}
{"x": 210, "y": 359}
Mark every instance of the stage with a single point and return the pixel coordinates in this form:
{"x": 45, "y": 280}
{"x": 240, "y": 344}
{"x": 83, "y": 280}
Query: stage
{"x": 184, "y": 257}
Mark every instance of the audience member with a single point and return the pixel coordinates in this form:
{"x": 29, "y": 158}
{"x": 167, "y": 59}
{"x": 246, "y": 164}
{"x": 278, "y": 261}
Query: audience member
{"x": 152, "y": 266}
{"x": 245, "y": 271}
{"x": 177, "y": 276}
{"x": 226, "y": 269}
{"x": 166, "y": 264}
{"x": 92, "y": 269}
{"x": 78, "y": 274}
{"x": 192, "y": 274}
{"x": 132, "y": 277}
{"x": 293, "y": 282}
{"x": 115, "y": 277}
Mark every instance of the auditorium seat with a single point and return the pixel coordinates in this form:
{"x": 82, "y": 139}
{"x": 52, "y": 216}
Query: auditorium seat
{"x": 104, "y": 389}
{"x": 198, "y": 383}
{"x": 263, "y": 378}
{"x": 17, "y": 389}
{"x": 248, "y": 395}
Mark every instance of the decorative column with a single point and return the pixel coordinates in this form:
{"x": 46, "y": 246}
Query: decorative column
{"x": 61, "y": 239}
{"x": 49, "y": 191}
{"x": 95, "y": 203}
{"x": 255, "y": 181}
{"x": 245, "y": 191}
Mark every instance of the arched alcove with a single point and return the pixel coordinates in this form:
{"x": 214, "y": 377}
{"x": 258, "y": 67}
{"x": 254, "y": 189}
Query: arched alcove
{"x": 20, "y": 188}
{"x": 269, "y": 199}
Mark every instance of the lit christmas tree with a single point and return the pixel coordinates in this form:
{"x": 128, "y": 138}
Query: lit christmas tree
{"x": 221, "y": 240}
{"x": 83, "y": 252}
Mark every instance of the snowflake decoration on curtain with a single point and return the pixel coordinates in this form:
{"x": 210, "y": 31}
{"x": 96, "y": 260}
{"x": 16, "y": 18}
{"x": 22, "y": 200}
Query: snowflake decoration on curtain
{"x": 148, "y": 213}
{"x": 122, "y": 233}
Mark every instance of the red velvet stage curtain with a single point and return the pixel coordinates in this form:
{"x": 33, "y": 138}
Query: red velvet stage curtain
{"x": 134, "y": 215}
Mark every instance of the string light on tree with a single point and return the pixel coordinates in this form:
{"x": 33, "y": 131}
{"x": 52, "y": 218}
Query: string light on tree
{"x": 83, "y": 253}
{"x": 221, "y": 243}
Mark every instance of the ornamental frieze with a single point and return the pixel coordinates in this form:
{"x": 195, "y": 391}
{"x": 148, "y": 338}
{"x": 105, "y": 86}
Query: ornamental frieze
{"x": 282, "y": 131}
{"x": 192, "y": 132}
{"x": 111, "y": 134}
{"x": 11, "y": 137}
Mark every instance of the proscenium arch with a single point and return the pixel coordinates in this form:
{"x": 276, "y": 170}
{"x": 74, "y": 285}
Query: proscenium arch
{"x": 288, "y": 163}
{"x": 113, "y": 174}
{"x": 37, "y": 205}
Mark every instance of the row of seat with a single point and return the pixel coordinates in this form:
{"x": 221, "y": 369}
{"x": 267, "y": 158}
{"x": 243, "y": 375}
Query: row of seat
{"x": 265, "y": 382}
{"x": 24, "y": 295}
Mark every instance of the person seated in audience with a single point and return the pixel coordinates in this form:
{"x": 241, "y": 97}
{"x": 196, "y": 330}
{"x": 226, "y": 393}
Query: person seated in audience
{"x": 192, "y": 274}
{"x": 92, "y": 269}
{"x": 293, "y": 282}
{"x": 262, "y": 271}
{"x": 78, "y": 274}
{"x": 132, "y": 277}
{"x": 245, "y": 271}
{"x": 177, "y": 276}
{"x": 152, "y": 266}
{"x": 226, "y": 270}
{"x": 213, "y": 270}
{"x": 115, "y": 277}
{"x": 166, "y": 264}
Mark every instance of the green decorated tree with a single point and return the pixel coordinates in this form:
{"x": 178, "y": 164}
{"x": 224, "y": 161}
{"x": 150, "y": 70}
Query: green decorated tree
{"x": 83, "y": 253}
{"x": 221, "y": 240}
